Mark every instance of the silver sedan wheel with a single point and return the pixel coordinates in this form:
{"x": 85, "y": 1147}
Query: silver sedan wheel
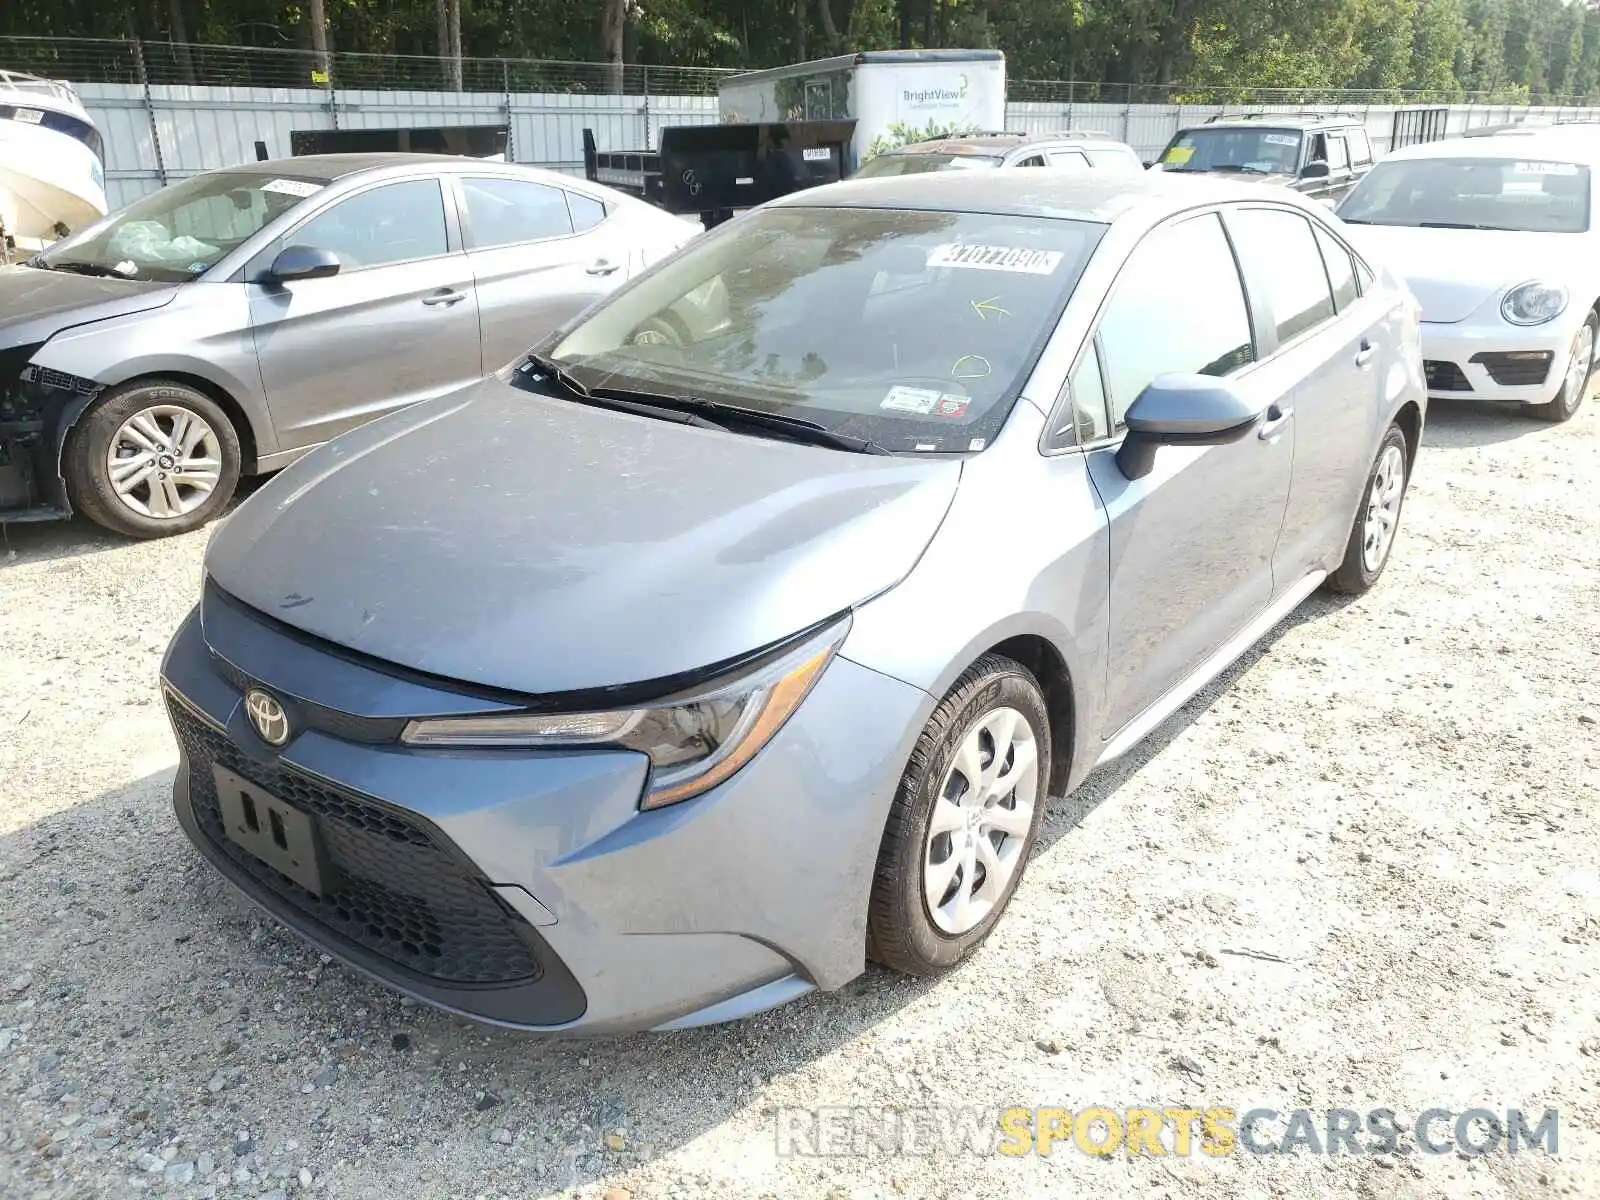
{"x": 980, "y": 823}
{"x": 1383, "y": 508}
{"x": 1578, "y": 368}
{"x": 164, "y": 461}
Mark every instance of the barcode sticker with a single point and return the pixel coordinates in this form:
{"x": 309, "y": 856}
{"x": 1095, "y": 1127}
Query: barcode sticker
{"x": 291, "y": 187}
{"x": 1016, "y": 259}
{"x": 1546, "y": 168}
{"x": 29, "y": 116}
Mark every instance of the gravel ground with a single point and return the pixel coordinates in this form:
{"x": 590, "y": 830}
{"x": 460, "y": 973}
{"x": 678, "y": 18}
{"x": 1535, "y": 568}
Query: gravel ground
{"x": 1359, "y": 872}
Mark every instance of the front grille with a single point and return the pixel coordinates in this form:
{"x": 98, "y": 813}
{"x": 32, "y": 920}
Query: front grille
{"x": 1445, "y": 376}
{"x": 1521, "y": 368}
{"x": 396, "y": 889}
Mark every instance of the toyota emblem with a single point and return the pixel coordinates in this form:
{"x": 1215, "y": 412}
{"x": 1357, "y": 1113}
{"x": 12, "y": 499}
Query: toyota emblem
{"x": 268, "y": 717}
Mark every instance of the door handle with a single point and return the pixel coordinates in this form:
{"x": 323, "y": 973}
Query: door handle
{"x": 446, "y": 298}
{"x": 602, "y": 267}
{"x": 1364, "y": 355}
{"x": 1276, "y": 419}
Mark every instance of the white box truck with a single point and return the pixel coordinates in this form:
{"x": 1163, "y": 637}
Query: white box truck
{"x": 894, "y": 96}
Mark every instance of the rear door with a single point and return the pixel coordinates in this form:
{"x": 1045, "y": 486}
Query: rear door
{"x": 1302, "y": 283}
{"x": 540, "y": 254}
{"x": 396, "y": 325}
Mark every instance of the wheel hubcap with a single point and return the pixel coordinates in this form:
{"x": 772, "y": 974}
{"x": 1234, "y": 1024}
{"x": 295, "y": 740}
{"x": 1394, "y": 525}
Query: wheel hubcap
{"x": 164, "y": 461}
{"x": 1383, "y": 508}
{"x": 1578, "y": 371}
{"x": 981, "y": 820}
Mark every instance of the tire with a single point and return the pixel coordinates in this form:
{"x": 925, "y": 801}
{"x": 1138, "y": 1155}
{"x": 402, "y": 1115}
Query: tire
{"x": 1360, "y": 569}
{"x": 1575, "y": 384}
{"x": 170, "y": 410}
{"x": 903, "y": 931}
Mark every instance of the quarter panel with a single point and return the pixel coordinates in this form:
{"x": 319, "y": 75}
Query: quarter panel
{"x": 1023, "y": 550}
{"x": 204, "y": 332}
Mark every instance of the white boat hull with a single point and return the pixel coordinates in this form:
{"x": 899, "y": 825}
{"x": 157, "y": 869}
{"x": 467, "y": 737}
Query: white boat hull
{"x": 47, "y": 178}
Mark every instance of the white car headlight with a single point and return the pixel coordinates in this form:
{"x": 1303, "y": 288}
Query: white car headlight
{"x": 694, "y": 740}
{"x": 1534, "y": 303}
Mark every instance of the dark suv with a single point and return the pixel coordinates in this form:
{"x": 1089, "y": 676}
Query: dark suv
{"x": 1322, "y": 155}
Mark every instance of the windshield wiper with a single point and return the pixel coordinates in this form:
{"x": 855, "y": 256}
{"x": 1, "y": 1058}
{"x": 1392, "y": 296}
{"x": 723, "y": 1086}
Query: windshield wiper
{"x": 85, "y": 268}
{"x": 798, "y": 427}
{"x": 1446, "y": 225}
{"x": 640, "y": 404}
{"x": 1239, "y": 167}
{"x": 697, "y": 411}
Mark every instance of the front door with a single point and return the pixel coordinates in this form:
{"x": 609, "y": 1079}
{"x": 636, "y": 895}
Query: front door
{"x": 1191, "y": 543}
{"x": 540, "y": 255}
{"x": 397, "y": 324}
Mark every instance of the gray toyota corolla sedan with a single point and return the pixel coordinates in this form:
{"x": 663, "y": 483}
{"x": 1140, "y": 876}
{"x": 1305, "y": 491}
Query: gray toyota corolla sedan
{"x": 739, "y": 633}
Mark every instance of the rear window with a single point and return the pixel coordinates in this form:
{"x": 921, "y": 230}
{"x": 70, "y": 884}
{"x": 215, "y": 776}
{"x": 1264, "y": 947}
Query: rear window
{"x": 916, "y": 164}
{"x": 1532, "y": 195}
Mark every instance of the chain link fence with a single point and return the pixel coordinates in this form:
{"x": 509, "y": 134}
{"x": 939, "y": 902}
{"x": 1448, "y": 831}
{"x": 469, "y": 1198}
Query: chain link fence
{"x": 89, "y": 60}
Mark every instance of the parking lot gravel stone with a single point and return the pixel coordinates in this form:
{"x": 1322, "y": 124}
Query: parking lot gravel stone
{"x": 1358, "y": 871}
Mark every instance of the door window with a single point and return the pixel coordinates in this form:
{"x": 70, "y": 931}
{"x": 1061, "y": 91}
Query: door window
{"x": 1068, "y": 158}
{"x": 505, "y": 212}
{"x": 1360, "y": 147}
{"x": 1124, "y": 161}
{"x": 586, "y": 212}
{"x": 1090, "y": 416}
{"x": 397, "y": 222}
{"x": 1033, "y": 160}
{"x": 1338, "y": 158}
{"x": 1341, "y": 270}
{"x": 1284, "y": 267}
{"x": 1177, "y": 307}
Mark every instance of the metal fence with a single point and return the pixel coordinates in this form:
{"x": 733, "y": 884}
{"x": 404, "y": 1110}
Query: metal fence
{"x": 158, "y": 128}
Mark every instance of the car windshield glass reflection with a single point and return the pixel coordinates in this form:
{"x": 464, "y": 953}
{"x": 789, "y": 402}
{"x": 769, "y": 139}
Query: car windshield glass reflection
{"x": 918, "y": 164}
{"x": 1474, "y": 193}
{"x": 913, "y": 329}
{"x": 1251, "y": 151}
{"x": 181, "y": 231}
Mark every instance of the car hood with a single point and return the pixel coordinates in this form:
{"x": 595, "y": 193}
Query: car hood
{"x": 519, "y": 541}
{"x": 35, "y": 305}
{"x": 1453, "y": 272}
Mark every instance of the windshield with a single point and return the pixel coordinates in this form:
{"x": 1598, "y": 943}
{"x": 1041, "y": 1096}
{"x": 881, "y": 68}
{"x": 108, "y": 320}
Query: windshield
{"x": 1266, "y": 151}
{"x": 181, "y": 231}
{"x": 1476, "y": 193}
{"x": 915, "y": 330}
{"x": 916, "y": 164}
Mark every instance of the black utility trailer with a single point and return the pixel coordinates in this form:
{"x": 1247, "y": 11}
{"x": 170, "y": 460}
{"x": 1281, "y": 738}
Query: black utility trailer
{"x": 715, "y": 170}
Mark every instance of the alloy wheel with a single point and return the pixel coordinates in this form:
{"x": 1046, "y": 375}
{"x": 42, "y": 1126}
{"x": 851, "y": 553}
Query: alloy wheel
{"x": 1383, "y": 508}
{"x": 1578, "y": 368}
{"x": 164, "y": 461}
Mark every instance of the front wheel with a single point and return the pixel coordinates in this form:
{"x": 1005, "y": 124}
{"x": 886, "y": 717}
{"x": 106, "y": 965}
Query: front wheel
{"x": 963, "y": 821}
{"x": 1575, "y": 384}
{"x": 1377, "y": 521}
{"x": 152, "y": 458}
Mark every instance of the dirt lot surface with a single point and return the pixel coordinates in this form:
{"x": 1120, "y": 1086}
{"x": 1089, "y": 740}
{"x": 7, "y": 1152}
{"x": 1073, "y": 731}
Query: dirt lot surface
{"x": 1360, "y": 872}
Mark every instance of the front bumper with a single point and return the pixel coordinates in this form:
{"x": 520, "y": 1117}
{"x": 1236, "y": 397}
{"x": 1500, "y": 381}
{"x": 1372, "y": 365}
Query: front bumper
{"x": 525, "y": 888}
{"x": 1497, "y": 361}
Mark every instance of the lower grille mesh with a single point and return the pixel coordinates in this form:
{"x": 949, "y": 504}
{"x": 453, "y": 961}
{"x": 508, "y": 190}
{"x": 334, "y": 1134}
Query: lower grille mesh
{"x": 396, "y": 892}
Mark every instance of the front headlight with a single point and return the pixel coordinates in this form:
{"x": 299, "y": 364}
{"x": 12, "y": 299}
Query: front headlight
{"x": 695, "y": 740}
{"x": 1534, "y": 303}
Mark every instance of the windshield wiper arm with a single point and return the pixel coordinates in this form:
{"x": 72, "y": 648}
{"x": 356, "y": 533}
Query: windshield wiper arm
{"x": 87, "y": 268}
{"x": 800, "y": 427}
{"x": 1239, "y": 167}
{"x": 640, "y": 404}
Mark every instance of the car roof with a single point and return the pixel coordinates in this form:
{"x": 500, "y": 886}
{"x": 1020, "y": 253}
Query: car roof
{"x": 1065, "y": 194}
{"x": 1286, "y": 120}
{"x": 1550, "y": 143}
{"x": 1004, "y": 143}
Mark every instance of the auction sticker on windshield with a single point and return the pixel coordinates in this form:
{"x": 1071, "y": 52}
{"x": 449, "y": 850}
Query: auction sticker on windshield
{"x": 911, "y": 400}
{"x": 1546, "y": 168}
{"x": 1279, "y": 139}
{"x": 292, "y": 187}
{"x": 1178, "y": 155}
{"x": 1016, "y": 259}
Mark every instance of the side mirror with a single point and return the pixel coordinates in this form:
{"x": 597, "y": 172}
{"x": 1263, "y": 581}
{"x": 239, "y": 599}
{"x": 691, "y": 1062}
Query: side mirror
{"x": 1314, "y": 170}
{"x": 303, "y": 262}
{"x": 1182, "y": 410}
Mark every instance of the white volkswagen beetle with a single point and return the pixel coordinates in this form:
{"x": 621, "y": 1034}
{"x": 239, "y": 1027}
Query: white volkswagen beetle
{"x": 1499, "y": 240}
